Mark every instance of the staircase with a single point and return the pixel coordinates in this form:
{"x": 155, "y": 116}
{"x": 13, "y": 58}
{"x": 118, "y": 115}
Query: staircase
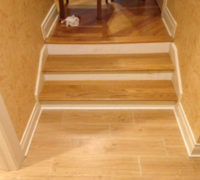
{"x": 122, "y": 60}
{"x": 108, "y": 79}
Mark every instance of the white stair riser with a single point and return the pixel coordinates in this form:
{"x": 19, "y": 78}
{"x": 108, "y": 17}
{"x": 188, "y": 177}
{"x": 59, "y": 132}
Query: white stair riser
{"x": 136, "y": 48}
{"x": 109, "y": 76}
{"x": 116, "y": 105}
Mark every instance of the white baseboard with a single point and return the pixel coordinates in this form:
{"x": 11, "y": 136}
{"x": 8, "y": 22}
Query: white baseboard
{"x": 40, "y": 77}
{"x": 164, "y": 4}
{"x": 49, "y": 21}
{"x": 192, "y": 147}
{"x": 135, "y": 48}
{"x": 176, "y": 79}
{"x": 11, "y": 155}
{"x": 169, "y": 21}
{"x": 30, "y": 128}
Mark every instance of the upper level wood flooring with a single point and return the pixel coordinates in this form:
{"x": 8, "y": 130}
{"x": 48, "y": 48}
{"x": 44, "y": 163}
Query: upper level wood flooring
{"x": 124, "y": 21}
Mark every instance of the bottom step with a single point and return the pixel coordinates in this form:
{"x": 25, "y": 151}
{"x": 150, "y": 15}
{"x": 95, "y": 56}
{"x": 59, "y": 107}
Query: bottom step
{"x": 107, "y": 91}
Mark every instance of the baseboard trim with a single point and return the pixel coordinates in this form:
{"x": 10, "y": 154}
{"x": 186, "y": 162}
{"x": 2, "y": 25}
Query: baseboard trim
{"x": 30, "y": 128}
{"x": 176, "y": 79}
{"x": 49, "y": 21}
{"x": 40, "y": 77}
{"x": 135, "y": 48}
{"x": 193, "y": 148}
{"x": 164, "y": 4}
{"x": 169, "y": 21}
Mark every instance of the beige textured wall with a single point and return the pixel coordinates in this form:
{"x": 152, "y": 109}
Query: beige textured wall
{"x": 20, "y": 44}
{"x": 187, "y": 39}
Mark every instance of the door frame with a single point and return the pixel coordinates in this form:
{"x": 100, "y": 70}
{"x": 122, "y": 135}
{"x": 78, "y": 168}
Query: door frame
{"x": 11, "y": 154}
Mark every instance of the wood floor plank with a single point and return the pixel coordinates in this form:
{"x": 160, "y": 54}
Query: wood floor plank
{"x": 98, "y": 117}
{"x": 108, "y": 63}
{"x": 34, "y": 178}
{"x": 174, "y": 166}
{"x": 86, "y": 130}
{"x": 96, "y": 165}
{"x": 93, "y": 178}
{"x": 108, "y": 91}
{"x": 161, "y": 118}
{"x": 142, "y": 131}
{"x": 124, "y": 146}
{"x": 123, "y": 21}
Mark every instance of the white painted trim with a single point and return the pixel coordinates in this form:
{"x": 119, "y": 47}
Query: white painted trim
{"x": 49, "y": 21}
{"x": 135, "y": 48}
{"x": 164, "y": 4}
{"x": 11, "y": 155}
{"x": 192, "y": 147}
{"x": 169, "y": 21}
{"x": 96, "y": 106}
{"x": 173, "y": 52}
{"x": 30, "y": 128}
{"x": 108, "y": 76}
{"x": 160, "y": 4}
{"x": 40, "y": 78}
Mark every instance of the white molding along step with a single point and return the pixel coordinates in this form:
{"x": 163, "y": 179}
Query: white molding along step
{"x": 169, "y": 21}
{"x": 131, "y": 48}
{"x": 30, "y": 128}
{"x": 173, "y": 52}
{"x": 49, "y": 21}
{"x": 192, "y": 147}
{"x": 40, "y": 77}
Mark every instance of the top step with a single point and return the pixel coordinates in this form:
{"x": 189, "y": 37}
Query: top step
{"x": 108, "y": 63}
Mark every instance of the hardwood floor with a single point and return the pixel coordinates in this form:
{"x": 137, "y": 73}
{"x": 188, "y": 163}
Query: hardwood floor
{"x": 108, "y": 91}
{"x": 108, "y": 63}
{"x": 123, "y": 21}
{"x": 107, "y": 145}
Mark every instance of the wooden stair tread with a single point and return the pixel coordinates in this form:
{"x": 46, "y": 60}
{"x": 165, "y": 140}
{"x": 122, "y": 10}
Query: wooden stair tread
{"x": 108, "y": 91}
{"x": 108, "y": 63}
